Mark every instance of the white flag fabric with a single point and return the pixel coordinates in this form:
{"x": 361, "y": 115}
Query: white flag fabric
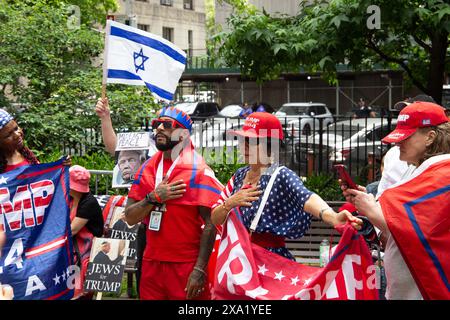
{"x": 136, "y": 57}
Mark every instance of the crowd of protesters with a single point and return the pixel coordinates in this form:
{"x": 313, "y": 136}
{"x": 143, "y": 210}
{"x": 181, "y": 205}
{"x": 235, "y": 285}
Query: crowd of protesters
{"x": 178, "y": 220}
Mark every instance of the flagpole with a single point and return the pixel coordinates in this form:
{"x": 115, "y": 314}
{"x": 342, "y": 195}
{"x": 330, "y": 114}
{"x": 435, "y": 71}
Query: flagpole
{"x": 105, "y": 59}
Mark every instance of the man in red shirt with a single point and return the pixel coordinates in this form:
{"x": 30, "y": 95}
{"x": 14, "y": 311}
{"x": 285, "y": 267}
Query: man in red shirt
{"x": 173, "y": 193}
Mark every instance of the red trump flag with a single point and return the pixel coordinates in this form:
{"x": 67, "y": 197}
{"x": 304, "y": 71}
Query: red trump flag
{"x": 246, "y": 271}
{"x": 417, "y": 212}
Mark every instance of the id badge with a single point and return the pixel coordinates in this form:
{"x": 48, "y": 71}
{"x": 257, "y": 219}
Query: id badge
{"x": 155, "y": 220}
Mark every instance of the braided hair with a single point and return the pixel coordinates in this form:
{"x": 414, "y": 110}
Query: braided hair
{"x": 25, "y": 152}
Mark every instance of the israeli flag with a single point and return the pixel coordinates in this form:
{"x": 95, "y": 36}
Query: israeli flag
{"x": 136, "y": 57}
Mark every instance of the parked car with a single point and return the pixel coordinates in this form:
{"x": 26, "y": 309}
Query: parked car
{"x": 199, "y": 110}
{"x": 347, "y": 142}
{"x": 231, "y": 111}
{"x": 303, "y": 118}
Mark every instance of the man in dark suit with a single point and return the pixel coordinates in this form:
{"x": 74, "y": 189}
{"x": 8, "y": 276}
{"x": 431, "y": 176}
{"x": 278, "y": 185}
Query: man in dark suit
{"x": 102, "y": 256}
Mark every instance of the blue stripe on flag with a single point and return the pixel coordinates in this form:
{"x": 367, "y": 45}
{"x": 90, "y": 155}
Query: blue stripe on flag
{"x": 149, "y": 42}
{"x": 408, "y": 207}
{"x": 122, "y": 74}
{"x": 192, "y": 183}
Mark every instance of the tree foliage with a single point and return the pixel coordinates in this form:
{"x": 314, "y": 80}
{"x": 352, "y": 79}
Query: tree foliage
{"x": 414, "y": 37}
{"x": 51, "y": 78}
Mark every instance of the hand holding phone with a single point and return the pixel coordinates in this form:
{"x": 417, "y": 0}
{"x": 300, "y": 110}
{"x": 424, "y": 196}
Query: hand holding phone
{"x": 345, "y": 176}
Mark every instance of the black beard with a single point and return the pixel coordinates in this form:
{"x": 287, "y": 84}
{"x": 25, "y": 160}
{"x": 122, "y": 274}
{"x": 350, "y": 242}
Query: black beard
{"x": 166, "y": 146}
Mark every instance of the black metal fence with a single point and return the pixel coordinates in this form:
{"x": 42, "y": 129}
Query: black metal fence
{"x": 310, "y": 145}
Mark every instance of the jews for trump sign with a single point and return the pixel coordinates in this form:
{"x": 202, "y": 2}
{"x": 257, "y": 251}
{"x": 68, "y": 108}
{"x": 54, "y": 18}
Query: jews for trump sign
{"x": 106, "y": 265}
{"x": 36, "y": 259}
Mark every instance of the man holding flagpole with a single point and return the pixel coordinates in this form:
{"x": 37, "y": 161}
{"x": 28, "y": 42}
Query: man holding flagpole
{"x": 135, "y": 57}
{"x": 173, "y": 193}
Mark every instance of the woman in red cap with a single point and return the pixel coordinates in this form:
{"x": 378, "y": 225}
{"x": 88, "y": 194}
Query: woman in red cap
{"x": 423, "y": 137}
{"x": 287, "y": 211}
{"x": 86, "y": 221}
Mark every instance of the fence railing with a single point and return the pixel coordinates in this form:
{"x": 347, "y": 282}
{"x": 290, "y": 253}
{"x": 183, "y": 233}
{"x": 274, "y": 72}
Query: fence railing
{"x": 311, "y": 145}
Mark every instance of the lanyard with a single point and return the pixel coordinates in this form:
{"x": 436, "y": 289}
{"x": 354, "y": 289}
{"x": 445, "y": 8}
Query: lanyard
{"x": 159, "y": 175}
{"x": 159, "y": 172}
{"x": 262, "y": 205}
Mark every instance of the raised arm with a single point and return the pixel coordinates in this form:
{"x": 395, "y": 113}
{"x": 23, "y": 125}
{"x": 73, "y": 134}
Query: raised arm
{"x": 108, "y": 134}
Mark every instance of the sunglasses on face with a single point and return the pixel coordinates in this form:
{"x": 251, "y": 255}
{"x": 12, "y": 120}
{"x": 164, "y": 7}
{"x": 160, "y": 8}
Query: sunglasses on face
{"x": 167, "y": 124}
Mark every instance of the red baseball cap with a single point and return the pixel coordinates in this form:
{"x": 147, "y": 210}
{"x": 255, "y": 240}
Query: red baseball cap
{"x": 79, "y": 179}
{"x": 416, "y": 115}
{"x": 260, "y": 125}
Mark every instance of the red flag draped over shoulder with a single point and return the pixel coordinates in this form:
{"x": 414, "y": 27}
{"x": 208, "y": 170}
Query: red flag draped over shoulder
{"x": 417, "y": 213}
{"x": 203, "y": 188}
{"x": 247, "y": 271}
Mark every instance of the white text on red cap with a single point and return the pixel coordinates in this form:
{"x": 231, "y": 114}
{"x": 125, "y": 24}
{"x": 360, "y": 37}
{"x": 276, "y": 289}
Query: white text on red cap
{"x": 251, "y": 122}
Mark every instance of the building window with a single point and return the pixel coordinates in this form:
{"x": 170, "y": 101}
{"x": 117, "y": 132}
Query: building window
{"x": 167, "y": 2}
{"x": 143, "y": 27}
{"x": 190, "y": 43}
{"x": 188, "y": 4}
{"x": 167, "y": 33}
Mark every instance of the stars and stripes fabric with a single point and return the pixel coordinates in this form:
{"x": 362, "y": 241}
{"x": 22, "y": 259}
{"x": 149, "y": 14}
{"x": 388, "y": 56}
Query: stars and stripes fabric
{"x": 283, "y": 214}
{"x": 245, "y": 271}
{"x": 417, "y": 214}
{"x": 5, "y": 117}
{"x": 136, "y": 57}
{"x": 36, "y": 259}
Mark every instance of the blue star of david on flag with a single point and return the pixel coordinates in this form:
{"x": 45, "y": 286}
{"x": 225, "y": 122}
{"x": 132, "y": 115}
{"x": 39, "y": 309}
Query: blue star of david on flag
{"x": 159, "y": 68}
{"x": 136, "y": 60}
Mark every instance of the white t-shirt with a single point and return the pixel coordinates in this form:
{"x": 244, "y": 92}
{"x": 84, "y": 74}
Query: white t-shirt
{"x": 394, "y": 170}
{"x": 400, "y": 283}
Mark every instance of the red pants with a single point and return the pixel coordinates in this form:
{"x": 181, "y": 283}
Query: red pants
{"x": 167, "y": 281}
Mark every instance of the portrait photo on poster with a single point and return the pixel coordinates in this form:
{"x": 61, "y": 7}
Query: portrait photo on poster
{"x": 120, "y": 229}
{"x": 127, "y": 164}
{"x": 106, "y": 265}
{"x": 109, "y": 251}
{"x": 132, "y": 149}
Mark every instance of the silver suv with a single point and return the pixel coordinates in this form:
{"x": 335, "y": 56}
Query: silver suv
{"x": 303, "y": 118}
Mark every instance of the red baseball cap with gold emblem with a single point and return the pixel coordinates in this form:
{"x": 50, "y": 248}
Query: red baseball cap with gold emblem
{"x": 260, "y": 125}
{"x": 416, "y": 115}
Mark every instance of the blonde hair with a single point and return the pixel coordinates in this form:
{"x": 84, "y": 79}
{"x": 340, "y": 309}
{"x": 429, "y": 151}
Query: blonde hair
{"x": 440, "y": 144}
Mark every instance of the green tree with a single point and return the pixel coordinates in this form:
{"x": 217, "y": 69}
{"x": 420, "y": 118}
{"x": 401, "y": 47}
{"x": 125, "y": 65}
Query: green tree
{"x": 69, "y": 118}
{"x": 413, "y": 37}
{"x": 90, "y": 13}
{"x": 39, "y": 51}
{"x": 51, "y": 70}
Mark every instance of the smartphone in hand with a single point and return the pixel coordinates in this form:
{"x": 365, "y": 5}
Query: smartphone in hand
{"x": 345, "y": 176}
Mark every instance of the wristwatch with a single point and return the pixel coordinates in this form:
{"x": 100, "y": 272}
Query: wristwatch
{"x": 151, "y": 200}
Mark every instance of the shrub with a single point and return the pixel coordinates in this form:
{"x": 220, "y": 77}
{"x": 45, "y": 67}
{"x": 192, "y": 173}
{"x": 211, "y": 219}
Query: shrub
{"x": 325, "y": 185}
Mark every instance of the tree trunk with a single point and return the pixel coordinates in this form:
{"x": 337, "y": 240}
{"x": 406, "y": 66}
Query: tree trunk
{"x": 439, "y": 44}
